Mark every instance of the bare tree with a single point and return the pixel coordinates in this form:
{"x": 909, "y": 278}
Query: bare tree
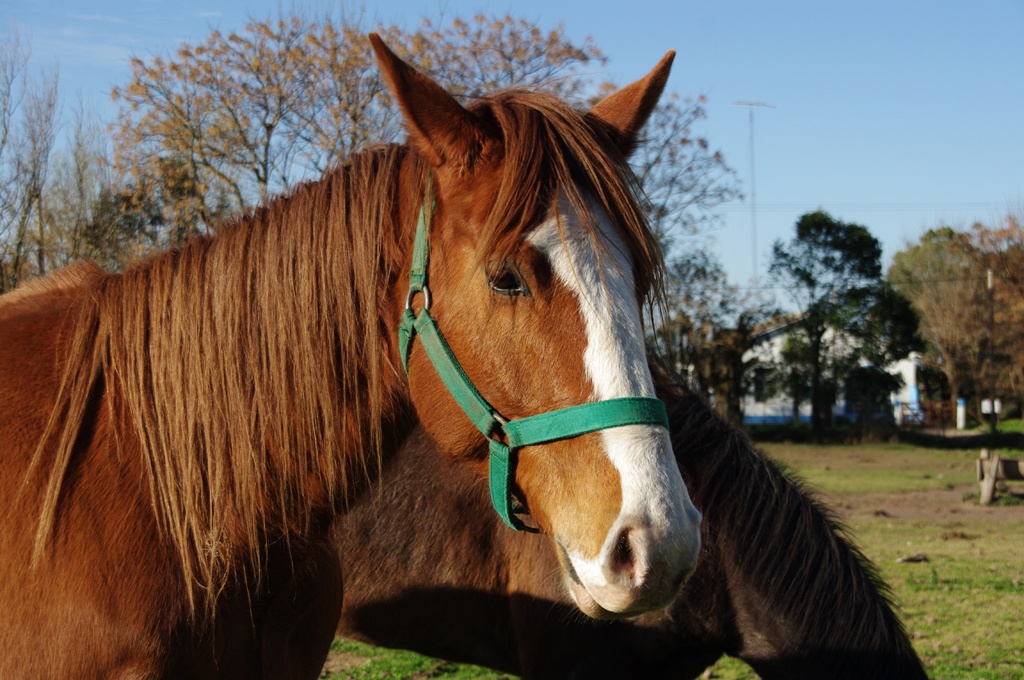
{"x": 28, "y": 116}
{"x": 941, "y": 279}
{"x": 78, "y": 175}
{"x": 13, "y": 62}
{"x": 683, "y": 177}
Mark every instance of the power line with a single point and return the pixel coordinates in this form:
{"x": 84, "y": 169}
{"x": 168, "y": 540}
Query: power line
{"x": 913, "y": 282}
{"x": 871, "y": 207}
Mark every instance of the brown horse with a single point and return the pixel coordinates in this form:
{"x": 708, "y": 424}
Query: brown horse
{"x": 175, "y": 440}
{"x": 778, "y": 584}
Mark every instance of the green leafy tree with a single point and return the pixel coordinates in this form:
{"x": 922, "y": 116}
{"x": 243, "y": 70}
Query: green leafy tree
{"x": 124, "y": 225}
{"x": 892, "y": 324}
{"x": 793, "y": 368}
{"x": 832, "y": 272}
{"x": 868, "y": 389}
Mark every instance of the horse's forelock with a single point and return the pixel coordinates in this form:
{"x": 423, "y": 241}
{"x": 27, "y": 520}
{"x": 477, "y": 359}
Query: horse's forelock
{"x": 549, "y": 148}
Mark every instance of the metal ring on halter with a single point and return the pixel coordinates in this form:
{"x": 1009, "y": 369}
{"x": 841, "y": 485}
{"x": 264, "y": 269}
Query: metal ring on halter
{"x": 412, "y": 293}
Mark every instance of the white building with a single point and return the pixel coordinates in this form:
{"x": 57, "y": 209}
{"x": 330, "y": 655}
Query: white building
{"x": 767, "y": 349}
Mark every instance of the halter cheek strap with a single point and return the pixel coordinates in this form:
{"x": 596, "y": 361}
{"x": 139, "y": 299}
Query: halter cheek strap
{"x": 504, "y": 436}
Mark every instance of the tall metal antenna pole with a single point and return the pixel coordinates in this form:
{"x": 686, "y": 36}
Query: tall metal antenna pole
{"x": 991, "y": 351}
{"x": 753, "y": 185}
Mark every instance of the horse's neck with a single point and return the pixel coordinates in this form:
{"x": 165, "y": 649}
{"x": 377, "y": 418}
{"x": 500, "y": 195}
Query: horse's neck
{"x": 421, "y": 545}
{"x": 801, "y": 601}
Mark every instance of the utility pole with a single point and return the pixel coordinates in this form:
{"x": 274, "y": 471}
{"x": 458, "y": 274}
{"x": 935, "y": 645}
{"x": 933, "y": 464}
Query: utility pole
{"x": 750, "y": 104}
{"x": 991, "y": 349}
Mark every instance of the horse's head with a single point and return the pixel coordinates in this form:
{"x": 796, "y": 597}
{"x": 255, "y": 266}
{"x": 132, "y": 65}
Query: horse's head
{"x": 539, "y": 258}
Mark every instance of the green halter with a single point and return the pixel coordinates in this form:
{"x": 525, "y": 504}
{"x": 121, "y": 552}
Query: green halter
{"x": 504, "y": 436}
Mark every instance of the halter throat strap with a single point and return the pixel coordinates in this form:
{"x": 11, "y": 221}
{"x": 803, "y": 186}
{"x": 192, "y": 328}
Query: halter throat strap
{"x": 504, "y": 436}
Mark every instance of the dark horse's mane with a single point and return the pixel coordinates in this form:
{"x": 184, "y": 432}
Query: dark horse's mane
{"x": 819, "y": 603}
{"x": 779, "y": 583}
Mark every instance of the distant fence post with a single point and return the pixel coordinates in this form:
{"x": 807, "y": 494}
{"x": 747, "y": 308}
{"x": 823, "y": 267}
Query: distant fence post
{"x": 992, "y": 468}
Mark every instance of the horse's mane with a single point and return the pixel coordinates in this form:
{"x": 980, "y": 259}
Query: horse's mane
{"x": 70, "y": 278}
{"x": 243, "y": 366}
{"x": 236, "y": 364}
{"x": 793, "y": 547}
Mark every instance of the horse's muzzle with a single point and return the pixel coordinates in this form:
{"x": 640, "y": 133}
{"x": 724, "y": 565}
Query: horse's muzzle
{"x": 638, "y": 570}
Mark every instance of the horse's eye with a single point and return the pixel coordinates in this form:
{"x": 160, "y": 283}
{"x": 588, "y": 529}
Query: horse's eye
{"x": 506, "y": 280}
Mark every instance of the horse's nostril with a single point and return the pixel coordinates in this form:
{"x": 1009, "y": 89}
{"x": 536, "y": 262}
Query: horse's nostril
{"x": 622, "y": 558}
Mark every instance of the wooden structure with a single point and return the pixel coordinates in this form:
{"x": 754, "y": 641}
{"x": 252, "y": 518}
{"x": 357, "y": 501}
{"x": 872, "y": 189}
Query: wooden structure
{"x": 992, "y": 469}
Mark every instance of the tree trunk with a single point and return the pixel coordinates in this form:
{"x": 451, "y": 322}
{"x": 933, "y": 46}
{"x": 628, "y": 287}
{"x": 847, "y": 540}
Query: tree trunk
{"x": 817, "y": 424}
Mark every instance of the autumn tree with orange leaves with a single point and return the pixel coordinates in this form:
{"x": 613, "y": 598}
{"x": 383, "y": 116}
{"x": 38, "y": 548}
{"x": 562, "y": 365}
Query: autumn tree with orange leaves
{"x": 939, "y": 276}
{"x": 945, "y": 276}
{"x": 1000, "y": 249}
{"x": 226, "y": 121}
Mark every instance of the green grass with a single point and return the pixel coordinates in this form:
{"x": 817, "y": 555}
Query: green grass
{"x": 876, "y": 468}
{"x": 962, "y": 607}
{"x": 1010, "y": 425}
{"x": 1004, "y": 499}
{"x": 365, "y": 662}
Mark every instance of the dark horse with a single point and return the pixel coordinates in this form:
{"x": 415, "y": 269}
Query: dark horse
{"x": 778, "y": 584}
{"x": 175, "y": 440}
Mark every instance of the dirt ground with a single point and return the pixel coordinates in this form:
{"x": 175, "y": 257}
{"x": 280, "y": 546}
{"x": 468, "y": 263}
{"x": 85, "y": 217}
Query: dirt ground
{"x": 934, "y": 504}
{"x": 339, "y": 662}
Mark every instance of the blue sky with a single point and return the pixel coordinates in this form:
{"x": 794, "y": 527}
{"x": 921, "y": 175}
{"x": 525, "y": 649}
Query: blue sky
{"x": 900, "y": 116}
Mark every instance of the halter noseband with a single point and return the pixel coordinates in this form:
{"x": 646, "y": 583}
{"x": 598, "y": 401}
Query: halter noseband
{"x": 504, "y": 436}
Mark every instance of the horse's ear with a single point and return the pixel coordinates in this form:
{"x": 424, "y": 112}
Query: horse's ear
{"x": 625, "y": 111}
{"x": 438, "y": 125}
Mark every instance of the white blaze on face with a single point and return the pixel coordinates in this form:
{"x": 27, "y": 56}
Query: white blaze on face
{"x": 656, "y": 510}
